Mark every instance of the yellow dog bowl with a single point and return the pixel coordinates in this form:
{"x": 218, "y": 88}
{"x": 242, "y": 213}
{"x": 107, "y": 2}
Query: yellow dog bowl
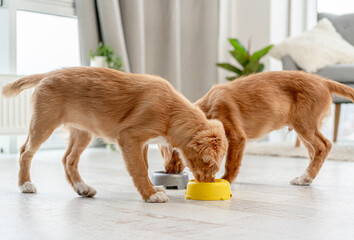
{"x": 208, "y": 191}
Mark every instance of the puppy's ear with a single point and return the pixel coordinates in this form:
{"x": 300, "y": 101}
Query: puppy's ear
{"x": 208, "y": 144}
{"x": 211, "y": 143}
{"x": 211, "y": 161}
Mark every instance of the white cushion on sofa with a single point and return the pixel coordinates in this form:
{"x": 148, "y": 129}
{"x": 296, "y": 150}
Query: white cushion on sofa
{"x": 316, "y": 48}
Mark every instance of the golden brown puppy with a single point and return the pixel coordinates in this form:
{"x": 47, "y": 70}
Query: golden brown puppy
{"x": 252, "y": 106}
{"x": 129, "y": 109}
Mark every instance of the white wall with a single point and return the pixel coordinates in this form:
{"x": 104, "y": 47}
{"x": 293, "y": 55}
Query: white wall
{"x": 263, "y": 21}
{"x": 253, "y": 18}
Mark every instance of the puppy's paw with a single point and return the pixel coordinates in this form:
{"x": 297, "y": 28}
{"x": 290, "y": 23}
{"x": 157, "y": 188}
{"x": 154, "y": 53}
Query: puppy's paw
{"x": 28, "y": 187}
{"x": 174, "y": 168}
{"x": 174, "y": 165}
{"x": 159, "y": 189}
{"x": 84, "y": 190}
{"x": 228, "y": 178}
{"x": 159, "y": 197}
{"x": 303, "y": 180}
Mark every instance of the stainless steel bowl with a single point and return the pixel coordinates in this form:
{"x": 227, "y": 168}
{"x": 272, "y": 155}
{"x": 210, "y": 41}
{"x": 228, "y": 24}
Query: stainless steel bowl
{"x": 170, "y": 180}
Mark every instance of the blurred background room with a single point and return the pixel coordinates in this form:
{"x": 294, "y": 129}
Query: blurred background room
{"x": 179, "y": 40}
{"x": 194, "y": 44}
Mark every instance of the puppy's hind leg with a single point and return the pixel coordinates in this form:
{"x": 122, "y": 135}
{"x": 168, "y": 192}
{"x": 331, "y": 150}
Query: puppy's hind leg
{"x": 39, "y": 131}
{"x": 309, "y": 148}
{"x": 318, "y": 147}
{"x": 306, "y": 118}
{"x": 78, "y": 142}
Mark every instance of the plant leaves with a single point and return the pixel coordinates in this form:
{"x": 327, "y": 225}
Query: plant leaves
{"x": 240, "y": 57}
{"x": 231, "y": 78}
{"x": 256, "y": 56}
{"x": 251, "y": 67}
{"x": 240, "y": 52}
{"x": 238, "y": 46}
{"x": 260, "y": 67}
{"x": 250, "y": 64}
{"x": 113, "y": 61}
{"x": 229, "y": 67}
{"x": 92, "y": 55}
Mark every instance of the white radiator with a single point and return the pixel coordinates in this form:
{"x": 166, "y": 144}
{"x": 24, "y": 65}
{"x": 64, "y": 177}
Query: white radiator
{"x": 15, "y": 113}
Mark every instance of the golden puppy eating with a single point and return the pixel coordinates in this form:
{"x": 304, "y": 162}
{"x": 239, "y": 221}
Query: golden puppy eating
{"x": 129, "y": 109}
{"x": 253, "y": 106}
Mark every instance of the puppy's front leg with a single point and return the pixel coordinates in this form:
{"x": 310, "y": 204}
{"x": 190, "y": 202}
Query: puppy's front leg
{"x": 234, "y": 159}
{"x": 172, "y": 161}
{"x": 237, "y": 142}
{"x": 133, "y": 155}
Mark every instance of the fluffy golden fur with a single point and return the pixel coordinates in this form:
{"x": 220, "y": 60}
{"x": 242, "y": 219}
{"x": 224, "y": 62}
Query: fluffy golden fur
{"x": 128, "y": 109}
{"x": 253, "y": 106}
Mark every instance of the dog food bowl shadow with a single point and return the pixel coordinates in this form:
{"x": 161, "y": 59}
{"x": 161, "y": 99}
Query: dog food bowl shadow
{"x": 208, "y": 191}
{"x": 170, "y": 180}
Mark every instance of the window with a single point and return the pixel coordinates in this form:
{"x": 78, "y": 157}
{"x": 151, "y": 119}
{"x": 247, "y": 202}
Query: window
{"x": 336, "y": 7}
{"x": 45, "y": 42}
{"x": 37, "y": 36}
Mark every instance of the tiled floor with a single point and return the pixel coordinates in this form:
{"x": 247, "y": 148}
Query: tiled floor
{"x": 264, "y": 205}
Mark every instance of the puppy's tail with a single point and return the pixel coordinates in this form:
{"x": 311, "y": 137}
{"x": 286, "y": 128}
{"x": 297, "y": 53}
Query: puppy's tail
{"x": 340, "y": 89}
{"x": 14, "y": 88}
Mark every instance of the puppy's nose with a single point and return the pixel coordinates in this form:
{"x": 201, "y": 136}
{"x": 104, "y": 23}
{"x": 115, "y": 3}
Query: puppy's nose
{"x": 201, "y": 179}
{"x": 210, "y": 179}
{"x": 198, "y": 177}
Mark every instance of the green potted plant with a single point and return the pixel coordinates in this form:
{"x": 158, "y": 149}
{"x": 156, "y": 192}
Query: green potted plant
{"x": 250, "y": 63}
{"x": 104, "y": 57}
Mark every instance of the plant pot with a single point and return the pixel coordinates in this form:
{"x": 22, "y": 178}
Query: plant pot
{"x": 98, "y": 61}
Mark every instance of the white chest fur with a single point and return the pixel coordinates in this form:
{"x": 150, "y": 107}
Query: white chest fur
{"x": 158, "y": 140}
